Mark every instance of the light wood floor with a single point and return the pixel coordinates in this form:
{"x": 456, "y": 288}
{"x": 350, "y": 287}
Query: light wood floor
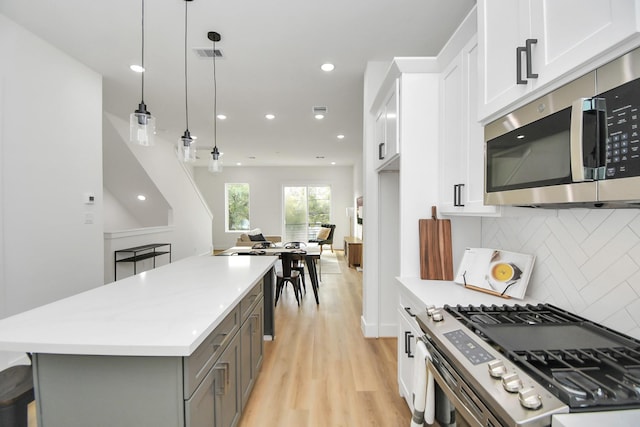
{"x": 320, "y": 371}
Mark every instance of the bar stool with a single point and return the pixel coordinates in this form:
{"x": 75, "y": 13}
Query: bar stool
{"x": 16, "y": 392}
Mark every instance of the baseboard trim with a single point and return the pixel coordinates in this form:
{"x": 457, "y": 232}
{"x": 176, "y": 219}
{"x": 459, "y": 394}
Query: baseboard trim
{"x": 368, "y": 330}
{"x": 388, "y": 330}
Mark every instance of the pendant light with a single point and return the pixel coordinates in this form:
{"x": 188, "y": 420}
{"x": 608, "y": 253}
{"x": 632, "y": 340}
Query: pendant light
{"x": 186, "y": 146}
{"x": 142, "y": 125}
{"x": 215, "y": 163}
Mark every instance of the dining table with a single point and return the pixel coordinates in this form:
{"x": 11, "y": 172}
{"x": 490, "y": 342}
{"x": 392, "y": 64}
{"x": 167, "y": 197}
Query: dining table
{"x": 311, "y": 256}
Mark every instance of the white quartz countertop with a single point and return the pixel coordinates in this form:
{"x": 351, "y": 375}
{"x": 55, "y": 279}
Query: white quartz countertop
{"x": 167, "y": 311}
{"x": 441, "y": 292}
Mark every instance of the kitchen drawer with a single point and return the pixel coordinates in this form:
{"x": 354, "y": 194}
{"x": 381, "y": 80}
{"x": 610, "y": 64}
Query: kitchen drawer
{"x": 202, "y": 359}
{"x": 411, "y": 305}
{"x": 247, "y": 303}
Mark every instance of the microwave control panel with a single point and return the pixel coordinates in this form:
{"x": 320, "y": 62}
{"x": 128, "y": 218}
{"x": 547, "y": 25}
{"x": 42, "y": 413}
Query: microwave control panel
{"x": 623, "y": 132}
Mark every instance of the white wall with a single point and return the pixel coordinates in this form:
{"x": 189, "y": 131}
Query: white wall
{"x": 189, "y": 229}
{"x": 358, "y": 190}
{"x": 373, "y": 77}
{"x": 50, "y": 153}
{"x": 116, "y": 216}
{"x": 265, "y": 186}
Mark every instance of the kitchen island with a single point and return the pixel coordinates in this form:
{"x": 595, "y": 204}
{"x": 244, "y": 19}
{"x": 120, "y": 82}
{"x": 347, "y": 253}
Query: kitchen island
{"x": 177, "y": 346}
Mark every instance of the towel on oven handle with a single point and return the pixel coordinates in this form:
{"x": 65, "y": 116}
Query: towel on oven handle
{"x": 423, "y": 388}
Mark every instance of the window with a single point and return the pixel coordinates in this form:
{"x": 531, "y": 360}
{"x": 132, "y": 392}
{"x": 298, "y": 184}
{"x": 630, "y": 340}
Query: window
{"x": 305, "y": 208}
{"x": 237, "y": 207}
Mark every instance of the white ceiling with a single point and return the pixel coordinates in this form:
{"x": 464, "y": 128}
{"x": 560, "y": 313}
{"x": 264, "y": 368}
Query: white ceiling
{"x": 272, "y": 56}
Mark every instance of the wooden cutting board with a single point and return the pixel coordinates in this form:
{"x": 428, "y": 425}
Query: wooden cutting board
{"x": 436, "y": 254}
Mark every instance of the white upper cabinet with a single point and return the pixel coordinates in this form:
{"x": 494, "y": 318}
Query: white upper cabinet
{"x": 387, "y": 128}
{"x": 461, "y": 138}
{"x": 400, "y": 103}
{"x": 527, "y": 45}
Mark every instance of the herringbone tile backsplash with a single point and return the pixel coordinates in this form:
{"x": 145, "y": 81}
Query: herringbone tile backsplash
{"x": 587, "y": 260}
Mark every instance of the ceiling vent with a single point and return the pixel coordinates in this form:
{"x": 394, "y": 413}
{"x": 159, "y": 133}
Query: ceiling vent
{"x": 320, "y": 110}
{"x": 208, "y": 52}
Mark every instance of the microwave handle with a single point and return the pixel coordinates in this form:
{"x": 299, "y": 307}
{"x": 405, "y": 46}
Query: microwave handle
{"x": 578, "y": 171}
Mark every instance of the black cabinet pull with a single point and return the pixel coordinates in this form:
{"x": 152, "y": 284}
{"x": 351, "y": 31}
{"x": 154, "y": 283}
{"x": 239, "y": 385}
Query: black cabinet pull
{"x": 519, "y": 51}
{"x": 457, "y": 195}
{"x": 408, "y": 310}
{"x": 530, "y": 74}
{"x": 380, "y": 151}
{"x": 407, "y": 343}
{"x": 526, "y": 49}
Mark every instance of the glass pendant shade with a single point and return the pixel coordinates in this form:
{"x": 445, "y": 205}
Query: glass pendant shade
{"x": 142, "y": 126}
{"x": 187, "y": 148}
{"x": 215, "y": 162}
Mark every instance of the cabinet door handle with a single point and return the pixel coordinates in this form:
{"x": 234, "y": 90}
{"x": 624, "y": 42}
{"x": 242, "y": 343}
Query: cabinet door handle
{"x": 255, "y": 328}
{"x": 408, "y": 336}
{"x": 381, "y": 151}
{"x": 457, "y": 195}
{"x": 224, "y": 367}
{"x": 519, "y": 51}
{"x": 528, "y": 43}
{"x": 408, "y": 310}
{"x": 217, "y": 345}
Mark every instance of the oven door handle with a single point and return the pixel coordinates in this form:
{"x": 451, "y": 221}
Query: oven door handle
{"x": 469, "y": 416}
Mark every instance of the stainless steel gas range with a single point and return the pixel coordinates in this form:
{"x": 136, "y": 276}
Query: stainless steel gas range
{"x": 520, "y": 365}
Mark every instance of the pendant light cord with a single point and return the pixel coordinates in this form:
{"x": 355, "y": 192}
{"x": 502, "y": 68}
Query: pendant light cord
{"x": 186, "y": 102}
{"x": 215, "y": 98}
{"x": 142, "y": 64}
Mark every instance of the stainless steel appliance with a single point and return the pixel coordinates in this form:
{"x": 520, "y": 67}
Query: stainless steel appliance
{"x": 578, "y": 144}
{"x": 520, "y": 365}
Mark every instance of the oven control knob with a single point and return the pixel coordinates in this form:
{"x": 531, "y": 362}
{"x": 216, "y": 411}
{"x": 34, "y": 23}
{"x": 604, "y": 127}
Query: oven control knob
{"x": 430, "y": 309}
{"x": 529, "y": 398}
{"x": 497, "y": 368}
{"x": 437, "y": 316}
{"x": 511, "y": 382}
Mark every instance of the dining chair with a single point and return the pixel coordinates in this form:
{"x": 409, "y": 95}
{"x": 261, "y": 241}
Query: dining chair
{"x": 299, "y": 264}
{"x": 286, "y": 273}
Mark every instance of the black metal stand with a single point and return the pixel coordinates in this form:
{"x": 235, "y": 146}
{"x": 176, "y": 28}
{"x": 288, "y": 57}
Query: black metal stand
{"x": 139, "y": 253}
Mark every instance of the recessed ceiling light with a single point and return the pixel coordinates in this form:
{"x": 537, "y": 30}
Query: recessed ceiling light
{"x": 222, "y": 117}
{"x": 327, "y": 67}
{"x": 319, "y": 116}
{"x": 520, "y": 136}
{"x": 136, "y": 68}
{"x": 333, "y": 163}
{"x": 238, "y": 164}
{"x": 269, "y": 116}
{"x": 340, "y": 136}
{"x": 141, "y": 197}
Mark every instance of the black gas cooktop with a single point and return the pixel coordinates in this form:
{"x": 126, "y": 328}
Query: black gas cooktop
{"x": 586, "y": 365}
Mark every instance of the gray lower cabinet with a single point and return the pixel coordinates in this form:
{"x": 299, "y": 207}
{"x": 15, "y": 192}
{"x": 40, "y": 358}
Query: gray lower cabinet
{"x": 216, "y": 401}
{"x": 209, "y": 388}
{"x": 252, "y": 345}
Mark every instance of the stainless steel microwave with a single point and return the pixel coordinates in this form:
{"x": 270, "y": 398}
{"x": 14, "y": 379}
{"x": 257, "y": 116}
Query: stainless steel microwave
{"x": 580, "y": 144}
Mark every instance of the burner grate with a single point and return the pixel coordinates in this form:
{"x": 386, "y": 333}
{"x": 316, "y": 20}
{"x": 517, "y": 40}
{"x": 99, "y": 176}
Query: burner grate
{"x": 586, "y": 365}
